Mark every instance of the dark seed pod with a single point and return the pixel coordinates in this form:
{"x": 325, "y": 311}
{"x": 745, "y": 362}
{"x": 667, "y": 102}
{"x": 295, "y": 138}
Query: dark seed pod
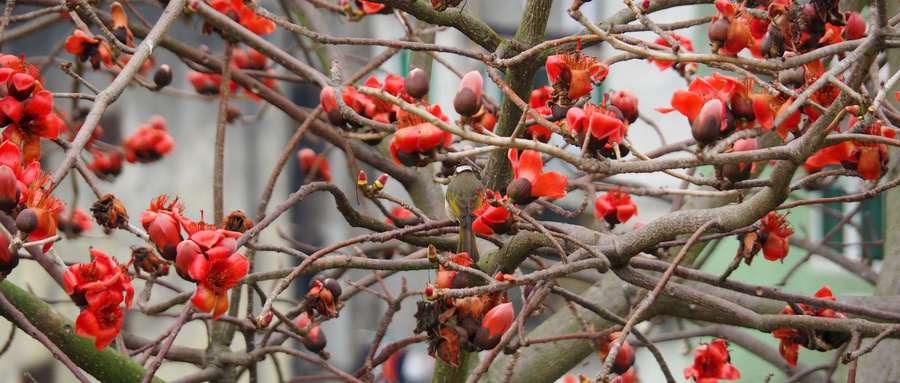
{"x": 333, "y": 286}
{"x": 718, "y": 32}
{"x": 707, "y": 127}
{"x": 163, "y": 76}
{"x": 558, "y": 112}
{"x": 483, "y": 339}
{"x": 408, "y": 159}
{"x": 315, "y": 344}
{"x": 460, "y": 281}
{"x": 519, "y": 191}
{"x": 336, "y": 118}
{"x": 622, "y": 368}
{"x": 21, "y": 86}
{"x": 417, "y": 85}
{"x": 27, "y": 221}
{"x": 742, "y": 108}
{"x": 736, "y": 172}
{"x": 466, "y": 102}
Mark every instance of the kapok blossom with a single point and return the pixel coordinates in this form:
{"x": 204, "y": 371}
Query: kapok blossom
{"x": 492, "y": 220}
{"x": 236, "y": 10}
{"x": 530, "y": 183}
{"x": 773, "y": 232}
{"x": 162, "y": 223}
{"x": 93, "y": 49}
{"x": 315, "y": 167}
{"x": 209, "y": 258}
{"x": 149, "y": 142}
{"x": 416, "y": 137}
{"x": 47, "y": 209}
{"x": 31, "y": 120}
{"x": 571, "y": 74}
{"x": 686, "y": 45}
{"x": 615, "y": 207}
{"x": 792, "y": 338}
{"x": 711, "y": 363}
{"x": 102, "y": 285}
{"x": 728, "y": 34}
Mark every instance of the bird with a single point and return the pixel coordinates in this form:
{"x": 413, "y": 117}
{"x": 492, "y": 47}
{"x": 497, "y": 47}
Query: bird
{"x": 462, "y": 200}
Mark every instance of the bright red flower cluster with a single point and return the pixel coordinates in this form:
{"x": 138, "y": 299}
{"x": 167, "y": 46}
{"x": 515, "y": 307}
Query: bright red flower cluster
{"x": 869, "y": 159}
{"x": 492, "y": 218}
{"x": 209, "y": 83}
{"x": 163, "y": 224}
{"x": 209, "y": 258}
{"x": 236, "y": 10}
{"x": 27, "y": 110}
{"x": 792, "y": 338}
{"x": 728, "y": 34}
{"x": 314, "y": 166}
{"x": 416, "y": 138}
{"x": 605, "y": 122}
{"x": 711, "y": 363}
{"x": 149, "y": 142}
{"x": 27, "y": 188}
{"x": 102, "y": 285}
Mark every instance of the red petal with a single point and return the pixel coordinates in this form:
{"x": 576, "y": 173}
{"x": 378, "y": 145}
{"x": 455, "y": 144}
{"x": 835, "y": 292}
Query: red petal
{"x": 41, "y": 104}
{"x": 204, "y": 299}
{"x": 199, "y": 268}
{"x": 530, "y": 166}
{"x": 688, "y": 103}
{"x": 498, "y": 319}
{"x": 551, "y": 184}
{"x": 221, "y": 305}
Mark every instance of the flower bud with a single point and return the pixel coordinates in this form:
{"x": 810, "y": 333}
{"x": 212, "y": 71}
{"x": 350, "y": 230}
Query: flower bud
{"x": 707, "y": 127}
{"x": 468, "y": 99}
{"x": 627, "y": 103}
{"x": 333, "y": 286}
{"x": 27, "y": 221}
{"x": 718, "y": 32}
{"x": 9, "y": 189}
{"x": 519, "y": 191}
{"x": 494, "y": 324}
{"x": 163, "y": 76}
{"x": 417, "y": 85}
{"x": 380, "y": 182}
{"x": 856, "y": 26}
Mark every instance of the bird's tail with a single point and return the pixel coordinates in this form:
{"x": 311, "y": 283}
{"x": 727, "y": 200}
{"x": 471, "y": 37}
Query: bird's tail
{"x": 467, "y": 238}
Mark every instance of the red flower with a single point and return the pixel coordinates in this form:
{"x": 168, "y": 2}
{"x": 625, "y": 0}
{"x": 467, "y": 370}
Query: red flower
{"x": 774, "y": 230}
{"x": 78, "y": 221}
{"x": 11, "y": 158}
{"x": 103, "y": 321}
{"x": 540, "y": 102}
{"x": 32, "y": 120}
{"x": 829, "y": 340}
{"x": 615, "y": 207}
{"x": 314, "y": 340}
{"x": 603, "y": 123}
{"x": 492, "y": 220}
{"x": 120, "y": 24}
{"x": 416, "y": 137}
{"x": 239, "y": 12}
{"x": 162, "y": 225}
{"x": 318, "y": 164}
{"x": 206, "y": 83}
{"x": 47, "y": 209}
{"x": 728, "y": 34}
{"x": 90, "y": 49}
{"x": 85, "y": 282}
{"x": 495, "y": 323}
{"x": 627, "y": 103}
{"x": 686, "y": 44}
{"x": 106, "y": 162}
{"x": 571, "y": 73}
{"x": 209, "y": 258}
{"x": 711, "y": 364}
{"x": 529, "y": 167}
{"x": 149, "y": 142}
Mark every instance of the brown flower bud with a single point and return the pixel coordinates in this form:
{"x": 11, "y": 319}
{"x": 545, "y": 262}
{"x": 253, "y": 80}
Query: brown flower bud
{"x": 519, "y": 191}
{"x": 417, "y": 85}
{"x": 163, "y": 76}
{"x": 27, "y": 221}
